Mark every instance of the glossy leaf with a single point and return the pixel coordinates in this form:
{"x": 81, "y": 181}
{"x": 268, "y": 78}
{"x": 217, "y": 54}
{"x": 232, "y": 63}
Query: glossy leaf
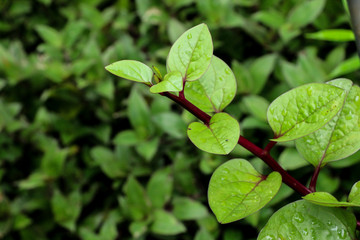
{"x": 341, "y": 136}
{"x": 191, "y": 53}
{"x": 172, "y": 82}
{"x": 215, "y": 89}
{"x": 219, "y": 137}
{"x": 237, "y": 190}
{"x": 302, "y": 220}
{"x": 354, "y": 196}
{"x": 327, "y": 200}
{"x": 304, "y": 110}
{"x": 337, "y": 35}
{"x": 131, "y": 70}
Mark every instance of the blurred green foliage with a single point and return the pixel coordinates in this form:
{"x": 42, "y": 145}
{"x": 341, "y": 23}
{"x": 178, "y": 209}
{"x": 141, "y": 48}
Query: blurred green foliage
{"x": 86, "y": 156}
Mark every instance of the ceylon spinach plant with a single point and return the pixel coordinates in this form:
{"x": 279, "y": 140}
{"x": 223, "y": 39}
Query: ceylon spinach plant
{"x": 322, "y": 118}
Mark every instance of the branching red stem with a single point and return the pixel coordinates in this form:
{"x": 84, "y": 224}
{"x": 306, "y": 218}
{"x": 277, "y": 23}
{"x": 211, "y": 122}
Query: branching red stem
{"x": 312, "y": 185}
{"x": 257, "y": 151}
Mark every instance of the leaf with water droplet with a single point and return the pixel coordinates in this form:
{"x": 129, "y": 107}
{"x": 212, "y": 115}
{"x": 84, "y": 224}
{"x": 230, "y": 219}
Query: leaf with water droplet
{"x": 191, "y": 53}
{"x": 172, "y": 83}
{"x": 304, "y": 110}
{"x": 237, "y": 190}
{"x": 215, "y": 89}
{"x": 131, "y": 70}
{"x": 302, "y": 220}
{"x": 219, "y": 137}
{"x": 340, "y": 137}
{"x": 328, "y": 200}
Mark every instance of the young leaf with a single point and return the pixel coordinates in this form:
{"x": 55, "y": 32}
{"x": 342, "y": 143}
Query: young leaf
{"x": 354, "y": 196}
{"x": 304, "y": 220}
{"x": 237, "y": 190}
{"x": 215, "y": 89}
{"x": 191, "y": 53}
{"x": 159, "y": 187}
{"x": 341, "y": 136}
{"x": 131, "y": 70}
{"x": 219, "y": 137}
{"x": 172, "y": 82}
{"x": 327, "y": 200}
{"x": 304, "y": 110}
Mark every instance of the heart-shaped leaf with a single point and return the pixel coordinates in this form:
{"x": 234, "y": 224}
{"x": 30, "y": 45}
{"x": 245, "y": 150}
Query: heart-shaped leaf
{"x": 354, "y": 196}
{"x": 191, "y": 53}
{"x": 172, "y": 83}
{"x": 341, "y": 136}
{"x": 219, "y": 137}
{"x": 237, "y": 190}
{"x": 328, "y": 200}
{"x": 302, "y": 220}
{"x": 304, "y": 110}
{"x": 215, "y": 89}
{"x": 131, "y": 70}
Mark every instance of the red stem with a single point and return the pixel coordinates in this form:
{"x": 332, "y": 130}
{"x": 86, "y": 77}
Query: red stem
{"x": 312, "y": 185}
{"x": 257, "y": 151}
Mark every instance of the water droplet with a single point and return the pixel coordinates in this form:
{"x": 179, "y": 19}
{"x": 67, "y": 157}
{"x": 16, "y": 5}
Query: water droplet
{"x": 310, "y": 91}
{"x": 356, "y": 98}
{"x": 270, "y": 237}
{"x": 342, "y": 234}
{"x": 189, "y": 36}
{"x": 298, "y": 217}
{"x": 305, "y": 232}
{"x": 227, "y": 71}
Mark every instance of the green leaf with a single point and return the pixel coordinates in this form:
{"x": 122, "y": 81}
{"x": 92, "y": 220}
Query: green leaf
{"x": 290, "y": 159}
{"x": 148, "y": 148}
{"x": 215, "y": 89}
{"x": 171, "y": 123}
{"x": 139, "y": 114}
{"x": 131, "y": 70}
{"x": 341, "y": 136}
{"x": 335, "y": 35}
{"x": 188, "y": 209}
{"x": 260, "y": 71}
{"x": 126, "y": 138}
{"x": 349, "y": 65}
{"x": 237, "y": 190}
{"x": 219, "y": 137}
{"x": 302, "y": 220}
{"x": 159, "y": 188}
{"x": 304, "y": 110}
{"x": 66, "y": 209}
{"x": 327, "y": 200}
{"x": 49, "y": 35}
{"x": 111, "y": 166}
{"x": 166, "y": 224}
{"x": 257, "y": 106}
{"x": 191, "y": 53}
{"x": 136, "y": 201}
{"x": 354, "y": 196}
{"x": 305, "y": 13}
{"x": 172, "y": 82}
